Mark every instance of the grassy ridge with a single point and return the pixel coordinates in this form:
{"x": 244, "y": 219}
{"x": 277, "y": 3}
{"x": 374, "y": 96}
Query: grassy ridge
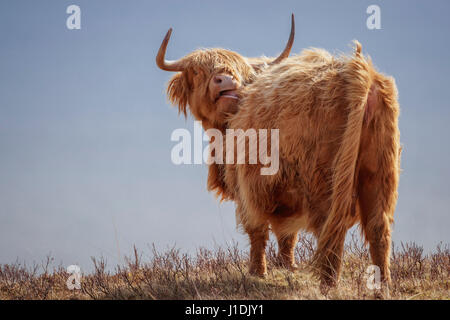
{"x": 222, "y": 274}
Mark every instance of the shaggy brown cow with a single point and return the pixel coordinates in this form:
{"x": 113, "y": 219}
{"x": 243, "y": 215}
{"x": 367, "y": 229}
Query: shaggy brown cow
{"x": 339, "y": 151}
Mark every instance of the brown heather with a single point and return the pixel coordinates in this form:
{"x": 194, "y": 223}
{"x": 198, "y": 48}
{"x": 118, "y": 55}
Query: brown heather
{"x": 222, "y": 274}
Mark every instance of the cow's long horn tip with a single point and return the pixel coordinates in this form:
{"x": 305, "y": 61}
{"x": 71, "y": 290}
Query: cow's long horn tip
{"x": 168, "y": 34}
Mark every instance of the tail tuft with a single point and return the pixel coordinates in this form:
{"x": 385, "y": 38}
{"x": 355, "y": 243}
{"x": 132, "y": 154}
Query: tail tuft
{"x": 358, "y": 47}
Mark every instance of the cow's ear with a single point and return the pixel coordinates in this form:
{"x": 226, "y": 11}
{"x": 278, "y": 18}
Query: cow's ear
{"x": 259, "y": 67}
{"x": 177, "y": 91}
{"x": 258, "y": 64}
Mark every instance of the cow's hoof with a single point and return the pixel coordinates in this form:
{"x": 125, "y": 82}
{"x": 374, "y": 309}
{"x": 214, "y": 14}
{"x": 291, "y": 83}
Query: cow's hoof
{"x": 291, "y": 267}
{"x": 258, "y": 272}
{"x": 382, "y": 293}
{"x": 324, "y": 288}
{"x": 326, "y": 285}
{"x": 260, "y": 275}
{"x": 288, "y": 266}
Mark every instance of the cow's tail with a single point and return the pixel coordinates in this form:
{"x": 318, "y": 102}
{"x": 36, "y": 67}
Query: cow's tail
{"x": 358, "y": 75}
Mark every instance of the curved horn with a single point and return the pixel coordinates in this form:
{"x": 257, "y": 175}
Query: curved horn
{"x": 164, "y": 64}
{"x": 288, "y": 47}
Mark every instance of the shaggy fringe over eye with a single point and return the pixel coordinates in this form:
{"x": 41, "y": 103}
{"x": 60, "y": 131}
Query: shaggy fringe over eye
{"x": 208, "y": 61}
{"x": 177, "y": 90}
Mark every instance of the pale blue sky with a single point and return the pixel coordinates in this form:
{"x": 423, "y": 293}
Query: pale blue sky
{"x": 85, "y": 126}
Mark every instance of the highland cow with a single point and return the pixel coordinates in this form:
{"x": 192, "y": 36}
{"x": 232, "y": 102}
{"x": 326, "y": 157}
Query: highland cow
{"x": 339, "y": 152}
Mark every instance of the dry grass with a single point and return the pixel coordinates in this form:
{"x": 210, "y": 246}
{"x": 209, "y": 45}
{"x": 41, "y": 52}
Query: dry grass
{"x": 222, "y": 274}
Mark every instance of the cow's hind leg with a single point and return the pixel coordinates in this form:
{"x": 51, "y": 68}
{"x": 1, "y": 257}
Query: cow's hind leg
{"x": 376, "y": 226}
{"x": 329, "y": 260}
{"x": 258, "y": 239}
{"x": 379, "y": 239}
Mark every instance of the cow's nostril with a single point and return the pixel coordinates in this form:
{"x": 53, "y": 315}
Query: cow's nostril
{"x": 218, "y": 80}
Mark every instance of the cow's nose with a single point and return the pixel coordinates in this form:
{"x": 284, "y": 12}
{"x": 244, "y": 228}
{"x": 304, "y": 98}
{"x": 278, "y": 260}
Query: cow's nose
{"x": 223, "y": 82}
{"x": 221, "y": 78}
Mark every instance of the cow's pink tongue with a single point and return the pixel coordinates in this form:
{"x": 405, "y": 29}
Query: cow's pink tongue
{"x": 229, "y": 94}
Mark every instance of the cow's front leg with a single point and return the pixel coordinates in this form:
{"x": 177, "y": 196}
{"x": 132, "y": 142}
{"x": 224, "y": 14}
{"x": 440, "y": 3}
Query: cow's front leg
{"x": 286, "y": 249}
{"x": 258, "y": 239}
